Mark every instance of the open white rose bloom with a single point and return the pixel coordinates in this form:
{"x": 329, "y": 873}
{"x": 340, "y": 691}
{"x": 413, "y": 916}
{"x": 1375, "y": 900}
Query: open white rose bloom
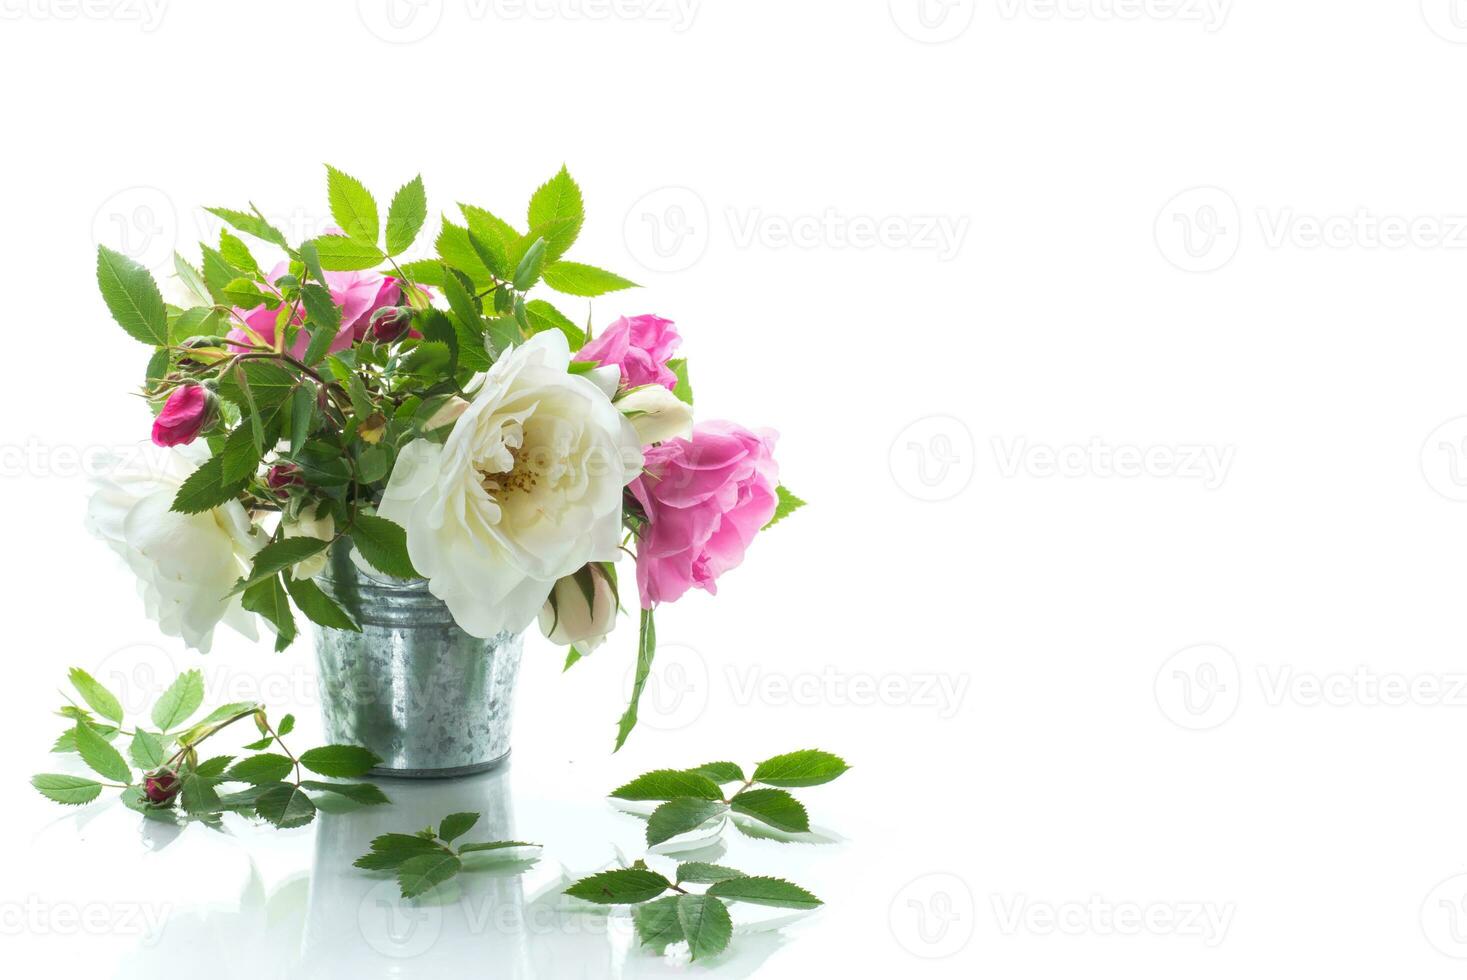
{"x": 527, "y": 488}
{"x": 185, "y": 563}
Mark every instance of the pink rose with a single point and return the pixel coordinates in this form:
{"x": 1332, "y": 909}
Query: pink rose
{"x": 705, "y": 499}
{"x": 160, "y": 787}
{"x": 186, "y": 413}
{"x": 359, "y": 294}
{"x": 640, "y": 347}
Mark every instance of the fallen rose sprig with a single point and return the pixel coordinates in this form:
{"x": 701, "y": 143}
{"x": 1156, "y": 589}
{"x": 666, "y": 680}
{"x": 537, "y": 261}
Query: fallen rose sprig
{"x": 172, "y": 771}
{"x": 694, "y": 796}
{"x": 700, "y": 919}
{"x": 428, "y": 857}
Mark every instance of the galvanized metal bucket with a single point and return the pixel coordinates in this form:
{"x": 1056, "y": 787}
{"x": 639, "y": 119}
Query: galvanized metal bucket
{"x": 413, "y": 687}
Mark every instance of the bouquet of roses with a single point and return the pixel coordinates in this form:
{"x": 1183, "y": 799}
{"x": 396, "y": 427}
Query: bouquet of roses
{"x": 429, "y": 413}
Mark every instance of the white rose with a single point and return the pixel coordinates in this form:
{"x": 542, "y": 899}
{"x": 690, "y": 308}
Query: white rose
{"x": 656, "y": 413}
{"x": 526, "y": 489}
{"x": 569, "y": 619}
{"x": 317, "y": 523}
{"x": 185, "y": 563}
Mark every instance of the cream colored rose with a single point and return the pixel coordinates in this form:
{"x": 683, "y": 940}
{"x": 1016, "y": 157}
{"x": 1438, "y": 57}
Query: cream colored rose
{"x": 656, "y": 413}
{"x": 313, "y": 522}
{"x": 581, "y": 610}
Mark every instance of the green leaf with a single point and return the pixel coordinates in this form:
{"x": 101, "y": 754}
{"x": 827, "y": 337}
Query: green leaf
{"x": 270, "y": 384}
{"x": 339, "y": 761}
{"x": 455, "y": 249}
{"x": 390, "y": 850}
{"x": 352, "y": 206}
{"x": 808, "y": 767}
{"x": 286, "y": 806}
{"x": 668, "y": 784}
{"x": 302, "y": 415}
{"x": 267, "y": 598}
{"x": 527, "y": 273}
{"x": 311, "y": 259}
{"x": 191, "y": 278}
{"x": 217, "y": 273}
{"x": 251, "y": 224}
{"x": 405, "y": 216}
{"x": 706, "y": 924}
{"x": 267, "y": 767}
{"x": 702, "y": 873}
{"x": 544, "y": 316}
{"x": 366, "y": 793}
{"x": 214, "y": 767}
{"x": 788, "y": 504}
{"x": 179, "y": 701}
{"x": 278, "y": 555}
{"x": 132, "y": 297}
{"x": 455, "y": 825}
{"x": 201, "y": 321}
{"x": 324, "y": 317}
{"x": 721, "y": 772}
{"x": 197, "y": 793}
{"x": 99, "y": 755}
{"x": 228, "y": 711}
{"x": 680, "y": 816}
{"x": 241, "y": 454}
{"x": 317, "y": 606}
{"x": 418, "y": 874}
{"x": 204, "y": 489}
{"x": 237, "y": 253}
{"x": 773, "y": 806}
{"x": 384, "y": 545}
{"x": 146, "y": 750}
{"x": 337, "y": 253}
{"x": 66, "y": 741}
{"x": 646, "y": 647}
{"x": 620, "y": 886}
{"x": 571, "y": 656}
{"x": 684, "y": 389}
{"x": 657, "y": 924}
{"x": 761, "y": 890}
{"x": 493, "y": 845}
{"x": 575, "y": 279}
{"x": 103, "y": 701}
{"x": 70, "y": 790}
{"x": 558, "y": 201}
{"x": 286, "y": 726}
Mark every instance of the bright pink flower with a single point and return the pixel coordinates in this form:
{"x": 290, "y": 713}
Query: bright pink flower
{"x": 186, "y": 413}
{"x": 359, "y": 294}
{"x": 640, "y": 346}
{"x": 705, "y": 499}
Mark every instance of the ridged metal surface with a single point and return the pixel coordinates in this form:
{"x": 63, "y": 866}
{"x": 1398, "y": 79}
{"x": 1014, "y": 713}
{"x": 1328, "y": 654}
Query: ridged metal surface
{"x": 425, "y": 696}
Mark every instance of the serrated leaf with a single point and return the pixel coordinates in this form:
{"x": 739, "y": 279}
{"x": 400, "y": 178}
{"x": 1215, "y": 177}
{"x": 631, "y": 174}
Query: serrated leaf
{"x": 339, "y": 761}
{"x": 132, "y": 297}
{"x": 285, "y": 806}
{"x": 191, "y": 278}
{"x": 527, "y": 272}
{"x": 251, "y": 224}
{"x": 418, "y": 874}
{"x": 646, "y": 648}
{"x": 69, "y": 790}
{"x": 807, "y": 767}
{"x": 240, "y": 456}
{"x": 702, "y": 873}
{"x": 706, "y": 924}
{"x": 317, "y": 606}
{"x": 788, "y": 504}
{"x": 678, "y": 816}
{"x": 493, "y": 845}
{"x": 544, "y": 316}
{"x": 405, "y": 216}
{"x": 278, "y": 555}
{"x": 102, "y": 701}
{"x": 773, "y": 806}
{"x": 455, "y": 249}
{"x": 99, "y": 755}
{"x": 667, "y": 784}
{"x": 205, "y": 488}
{"x": 146, "y": 750}
{"x": 366, "y": 793}
{"x": 575, "y": 279}
{"x": 455, "y": 825}
{"x": 721, "y": 772}
{"x": 267, "y": 598}
{"x": 558, "y": 201}
{"x": 384, "y": 545}
{"x": 197, "y": 793}
{"x": 353, "y": 206}
{"x": 270, "y": 384}
{"x": 684, "y": 388}
{"x": 762, "y": 890}
{"x": 237, "y": 253}
{"x": 214, "y": 766}
{"x": 620, "y": 886}
{"x": 267, "y": 767}
{"x": 337, "y": 253}
{"x": 657, "y": 924}
{"x": 66, "y": 741}
{"x": 286, "y": 726}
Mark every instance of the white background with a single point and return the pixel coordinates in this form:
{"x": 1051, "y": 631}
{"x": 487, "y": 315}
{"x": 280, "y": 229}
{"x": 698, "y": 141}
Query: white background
{"x": 1117, "y": 346}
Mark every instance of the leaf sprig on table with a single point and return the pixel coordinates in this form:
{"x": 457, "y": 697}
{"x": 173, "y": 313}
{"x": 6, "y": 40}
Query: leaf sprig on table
{"x": 691, "y": 797}
{"x": 172, "y": 771}
{"x": 429, "y": 857}
{"x": 699, "y": 918}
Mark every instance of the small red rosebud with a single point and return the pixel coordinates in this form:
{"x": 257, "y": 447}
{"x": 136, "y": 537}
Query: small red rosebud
{"x": 389, "y": 325}
{"x": 283, "y": 475}
{"x": 160, "y": 787}
{"x": 188, "y": 411}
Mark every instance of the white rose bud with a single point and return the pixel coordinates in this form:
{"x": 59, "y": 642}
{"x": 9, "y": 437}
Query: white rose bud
{"x": 656, "y": 413}
{"x": 315, "y": 523}
{"x": 568, "y": 619}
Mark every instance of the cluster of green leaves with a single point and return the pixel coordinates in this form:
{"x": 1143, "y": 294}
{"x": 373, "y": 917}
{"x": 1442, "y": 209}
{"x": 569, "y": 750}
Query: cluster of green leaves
{"x": 337, "y": 420}
{"x": 274, "y": 783}
{"x": 700, "y": 919}
{"x": 692, "y": 797}
{"x": 429, "y": 857}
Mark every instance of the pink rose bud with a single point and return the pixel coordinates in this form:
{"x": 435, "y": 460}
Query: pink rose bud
{"x": 390, "y": 324}
{"x": 160, "y": 787}
{"x": 188, "y": 411}
{"x": 283, "y": 475}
